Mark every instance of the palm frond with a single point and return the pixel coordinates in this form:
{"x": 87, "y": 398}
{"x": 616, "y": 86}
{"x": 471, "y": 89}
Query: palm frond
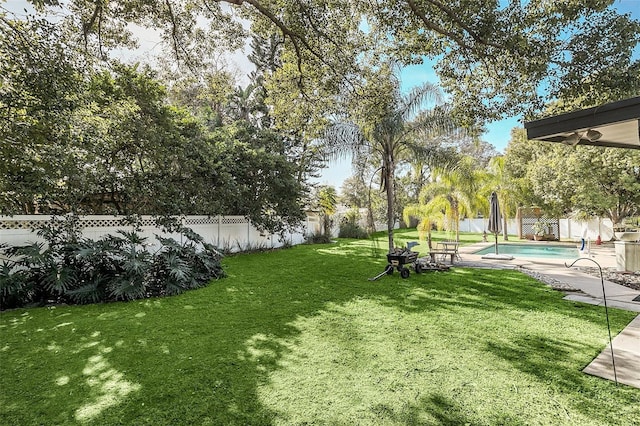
{"x": 437, "y": 122}
{"x": 433, "y": 156}
{"x": 416, "y": 99}
{"x": 411, "y": 210}
{"x": 428, "y": 214}
{"x": 343, "y": 139}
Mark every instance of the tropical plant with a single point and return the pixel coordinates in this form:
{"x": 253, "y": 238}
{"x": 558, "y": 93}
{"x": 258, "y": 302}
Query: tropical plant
{"x": 455, "y": 193}
{"x": 429, "y": 216}
{"x": 241, "y": 102}
{"x": 326, "y": 201}
{"x": 501, "y": 182}
{"x": 73, "y": 269}
{"x": 389, "y": 125}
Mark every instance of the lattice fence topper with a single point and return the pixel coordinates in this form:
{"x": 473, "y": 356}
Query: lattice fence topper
{"x": 529, "y": 216}
{"x": 113, "y": 223}
{"x": 20, "y": 224}
{"x": 35, "y": 224}
{"x": 233, "y": 233}
{"x": 234, "y": 220}
{"x": 201, "y": 221}
{"x": 116, "y": 222}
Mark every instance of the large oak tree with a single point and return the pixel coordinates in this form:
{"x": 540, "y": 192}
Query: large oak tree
{"x": 493, "y": 57}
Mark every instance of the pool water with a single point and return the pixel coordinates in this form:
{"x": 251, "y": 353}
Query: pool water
{"x": 533, "y": 250}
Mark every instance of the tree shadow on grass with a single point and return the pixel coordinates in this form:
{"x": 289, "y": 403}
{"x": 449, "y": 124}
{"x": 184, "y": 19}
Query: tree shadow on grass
{"x": 496, "y": 290}
{"x": 435, "y": 409}
{"x": 554, "y": 362}
{"x": 200, "y": 357}
{"x": 233, "y": 339}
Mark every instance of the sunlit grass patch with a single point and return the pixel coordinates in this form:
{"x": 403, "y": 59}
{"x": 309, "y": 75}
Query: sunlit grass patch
{"x": 301, "y": 336}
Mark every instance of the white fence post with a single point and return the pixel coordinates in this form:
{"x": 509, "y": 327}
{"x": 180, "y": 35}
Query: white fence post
{"x": 218, "y": 236}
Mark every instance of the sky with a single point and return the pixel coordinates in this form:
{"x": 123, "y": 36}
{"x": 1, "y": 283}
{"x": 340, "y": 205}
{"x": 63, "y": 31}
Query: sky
{"x": 498, "y": 133}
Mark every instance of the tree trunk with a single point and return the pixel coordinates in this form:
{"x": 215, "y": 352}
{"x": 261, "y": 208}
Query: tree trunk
{"x": 371, "y": 224}
{"x": 389, "y": 177}
{"x": 505, "y": 235}
{"x": 456, "y": 218}
{"x": 302, "y": 163}
{"x": 614, "y": 215}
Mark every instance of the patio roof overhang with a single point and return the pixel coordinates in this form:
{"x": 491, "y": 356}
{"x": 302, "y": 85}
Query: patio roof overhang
{"x": 618, "y": 124}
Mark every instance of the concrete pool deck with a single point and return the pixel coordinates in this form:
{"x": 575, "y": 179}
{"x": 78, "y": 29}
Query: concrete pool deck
{"x": 587, "y": 289}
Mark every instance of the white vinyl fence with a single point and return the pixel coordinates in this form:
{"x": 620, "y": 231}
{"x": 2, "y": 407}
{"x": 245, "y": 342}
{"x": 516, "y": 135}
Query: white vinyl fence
{"x": 230, "y": 233}
{"x": 480, "y": 225}
{"x": 236, "y": 233}
{"x": 570, "y": 229}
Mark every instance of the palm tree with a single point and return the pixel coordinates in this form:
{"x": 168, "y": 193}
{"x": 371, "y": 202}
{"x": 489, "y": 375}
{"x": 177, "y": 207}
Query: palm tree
{"x": 326, "y": 199}
{"x": 507, "y": 195}
{"x": 387, "y": 129}
{"x": 241, "y": 102}
{"x": 428, "y": 215}
{"x": 455, "y": 193}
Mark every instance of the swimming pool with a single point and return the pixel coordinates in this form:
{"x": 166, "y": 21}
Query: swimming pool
{"x": 533, "y": 250}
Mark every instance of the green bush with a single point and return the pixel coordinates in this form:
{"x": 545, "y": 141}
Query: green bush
{"x": 351, "y": 230}
{"x": 72, "y": 269}
{"x": 349, "y": 227}
{"x": 318, "y": 238}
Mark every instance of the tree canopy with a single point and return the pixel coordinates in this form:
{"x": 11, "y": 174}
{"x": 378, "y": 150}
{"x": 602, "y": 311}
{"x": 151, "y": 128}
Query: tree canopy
{"x": 81, "y": 129}
{"x": 588, "y": 181}
{"x": 82, "y": 138}
{"x": 493, "y": 58}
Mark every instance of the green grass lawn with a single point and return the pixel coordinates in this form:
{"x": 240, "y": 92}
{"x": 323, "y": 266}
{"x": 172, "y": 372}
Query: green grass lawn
{"x": 403, "y": 236}
{"x": 377, "y": 245}
{"x": 300, "y": 336}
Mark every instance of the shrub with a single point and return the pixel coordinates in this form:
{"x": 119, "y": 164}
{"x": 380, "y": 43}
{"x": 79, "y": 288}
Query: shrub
{"x": 349, "y": 227}
{"x": 72, "y": 269}
{"x": 350, "y": 230}
{"x": 179, "y": 267}
{"x": 318, "y": 238}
